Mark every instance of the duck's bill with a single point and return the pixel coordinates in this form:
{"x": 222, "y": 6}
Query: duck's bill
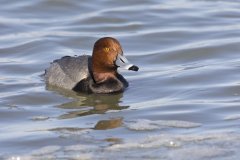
{"x": 122, "y": 62}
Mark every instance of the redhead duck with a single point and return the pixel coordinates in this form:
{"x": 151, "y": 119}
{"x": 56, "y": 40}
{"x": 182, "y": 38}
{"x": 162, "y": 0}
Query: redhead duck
{"x": 92, "y": 74}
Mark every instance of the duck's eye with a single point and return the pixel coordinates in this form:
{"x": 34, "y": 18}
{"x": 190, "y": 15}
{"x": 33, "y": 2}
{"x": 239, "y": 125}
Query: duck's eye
{"x": 106, "y": 49}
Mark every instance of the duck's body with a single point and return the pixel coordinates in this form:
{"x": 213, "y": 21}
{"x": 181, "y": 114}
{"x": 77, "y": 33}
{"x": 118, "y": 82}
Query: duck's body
{"x": 91, "y": 74}
{"x": 68, "y": 71}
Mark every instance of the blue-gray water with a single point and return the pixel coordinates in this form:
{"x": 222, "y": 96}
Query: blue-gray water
{"x": 184, "y": 103}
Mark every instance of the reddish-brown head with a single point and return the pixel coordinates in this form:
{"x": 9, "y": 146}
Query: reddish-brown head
{"x": 107, "y": 57}
{"x": 105, "y": 52}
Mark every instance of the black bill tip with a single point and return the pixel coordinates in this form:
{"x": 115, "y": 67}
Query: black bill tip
{"x": 133, "y": 68}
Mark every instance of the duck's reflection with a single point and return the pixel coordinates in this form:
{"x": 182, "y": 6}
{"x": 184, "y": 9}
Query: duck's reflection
{"x": 87, "y": 104}
{"x": 100, "y": 125}
{"x": 108, "y": 124}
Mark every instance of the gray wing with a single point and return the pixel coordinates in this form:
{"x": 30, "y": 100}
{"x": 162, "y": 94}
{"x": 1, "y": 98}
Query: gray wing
{"x": 67, "y": 71}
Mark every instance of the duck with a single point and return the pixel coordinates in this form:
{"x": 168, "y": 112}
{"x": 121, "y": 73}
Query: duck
{"x": 92, "y": 74}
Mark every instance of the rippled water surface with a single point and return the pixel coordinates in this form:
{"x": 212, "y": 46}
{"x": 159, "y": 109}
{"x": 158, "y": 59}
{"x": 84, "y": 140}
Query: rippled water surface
{"x": 182, "y": 104}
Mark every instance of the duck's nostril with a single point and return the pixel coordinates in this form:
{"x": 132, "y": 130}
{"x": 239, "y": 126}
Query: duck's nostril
{"x": 122, "y": 60}
{"x": 133, "y": 68}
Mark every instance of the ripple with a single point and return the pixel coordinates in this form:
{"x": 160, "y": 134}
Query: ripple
{"x": 144, "y": 124}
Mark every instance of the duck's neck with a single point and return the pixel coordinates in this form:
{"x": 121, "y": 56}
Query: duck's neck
{"x": 102, "y": 72}
{"x": 100, "y": 77}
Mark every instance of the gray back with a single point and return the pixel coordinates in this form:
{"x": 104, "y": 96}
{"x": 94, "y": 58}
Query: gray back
{"x": 68, "y": 71}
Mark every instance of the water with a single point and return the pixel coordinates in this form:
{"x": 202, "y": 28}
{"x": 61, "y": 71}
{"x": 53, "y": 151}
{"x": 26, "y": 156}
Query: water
{"x": 183, "y": 103}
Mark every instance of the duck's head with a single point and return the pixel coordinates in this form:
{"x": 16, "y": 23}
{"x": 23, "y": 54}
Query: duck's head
{"x": 108, "y": 56}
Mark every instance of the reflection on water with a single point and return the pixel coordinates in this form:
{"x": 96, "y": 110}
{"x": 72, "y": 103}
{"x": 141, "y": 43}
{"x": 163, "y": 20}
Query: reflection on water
{"x": 100, "y": 125}
{"x": 108, "y": 124}
{"x": 87, "y": 104}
